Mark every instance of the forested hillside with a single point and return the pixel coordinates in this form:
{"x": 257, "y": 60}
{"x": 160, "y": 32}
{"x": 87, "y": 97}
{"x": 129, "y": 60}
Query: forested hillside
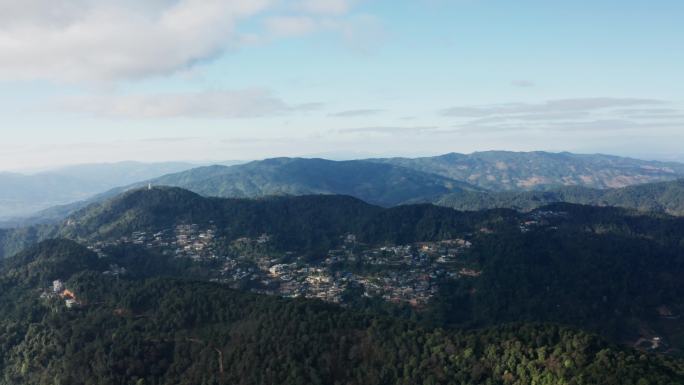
{"x": 313, "y": 222}
{"x": 165, "y": 330}
{"x": 606, "y": 270}
{"x": 599, "y": 269}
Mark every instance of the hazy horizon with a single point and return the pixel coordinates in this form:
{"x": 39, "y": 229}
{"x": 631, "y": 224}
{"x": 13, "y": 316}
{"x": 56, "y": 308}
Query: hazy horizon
{"x": 107, "y": 81}
{"x": 329, "y": 156}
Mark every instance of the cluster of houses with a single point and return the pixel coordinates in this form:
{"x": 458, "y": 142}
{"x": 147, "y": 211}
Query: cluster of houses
{"x": 184, "y": 241}
{"x": 397, "y": 273}
{"x": 402, "y": 273}
{"x": 59, "y": 291}
{"x": 195, "y": 243}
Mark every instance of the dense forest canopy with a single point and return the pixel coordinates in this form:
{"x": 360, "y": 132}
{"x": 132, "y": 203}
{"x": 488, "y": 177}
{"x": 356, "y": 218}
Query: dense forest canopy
{"x": 166, "y": 330}
{"x": 600, "y": 270}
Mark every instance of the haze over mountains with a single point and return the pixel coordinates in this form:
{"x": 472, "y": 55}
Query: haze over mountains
{"x": 553, "y": 292}
{"x": 493, "y": 171}
{"x": 468, "y": 182}
{"x": 25, "y": 194}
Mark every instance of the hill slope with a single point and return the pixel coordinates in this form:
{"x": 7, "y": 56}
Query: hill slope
{"x": 161, "y": 330}
{"x": 602, "y": 269}
{"x": 295, "y": 223}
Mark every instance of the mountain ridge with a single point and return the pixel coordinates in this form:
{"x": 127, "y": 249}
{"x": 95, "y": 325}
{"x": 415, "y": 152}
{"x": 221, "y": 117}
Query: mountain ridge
{"x": 508, "y": 170}
{"x": 385, "y": 185}
{"x": 394, "y": 181}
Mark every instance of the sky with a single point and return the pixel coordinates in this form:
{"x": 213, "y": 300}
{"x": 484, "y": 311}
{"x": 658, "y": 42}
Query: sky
{"x": 90, "y": 81}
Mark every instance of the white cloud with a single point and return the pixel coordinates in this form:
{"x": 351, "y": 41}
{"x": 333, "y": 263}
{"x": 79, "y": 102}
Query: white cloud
{"x": 287, "y": 26}
{"x": 216, "y": 104}
{"x": 551, "y": 106}
{"x": 335, "y": 7}
{"x": 608, "y": 124}
{"x": 105, "y": 40}
{"x": 571, "y": 115}
{"x": 362, "y": 32}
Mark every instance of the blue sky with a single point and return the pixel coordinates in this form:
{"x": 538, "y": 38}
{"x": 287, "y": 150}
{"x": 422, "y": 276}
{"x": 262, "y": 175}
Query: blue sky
{"x": 101, "y": 80}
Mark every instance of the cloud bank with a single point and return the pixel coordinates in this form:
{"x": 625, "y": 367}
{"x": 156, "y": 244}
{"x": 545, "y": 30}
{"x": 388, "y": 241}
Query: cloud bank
{"x": 579, "y": 114}
{"x": 551, "y": 106}
{"x": 108, "y": 40}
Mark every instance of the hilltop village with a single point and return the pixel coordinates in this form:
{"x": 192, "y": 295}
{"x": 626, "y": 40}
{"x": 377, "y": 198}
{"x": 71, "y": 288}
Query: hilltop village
{"x": 405, "y": 274}
{"x": 398, "y": 273}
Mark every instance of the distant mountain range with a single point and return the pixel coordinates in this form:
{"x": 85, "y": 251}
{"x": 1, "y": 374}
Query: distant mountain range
{"x": 526, "y": 171}
{"x": 376, "y": 183}
{"x": 478, "y": 180}
{"x": 492, "y": 171}
{"x": 390, "y": 182}
{"x": 666, "y": 197}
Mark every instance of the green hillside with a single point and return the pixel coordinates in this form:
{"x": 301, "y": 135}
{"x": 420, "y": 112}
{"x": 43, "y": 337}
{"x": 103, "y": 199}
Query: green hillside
{"x": 311, "y": 223}
{"x": 165, "y": 330}
{"x": 605, "y": 270}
